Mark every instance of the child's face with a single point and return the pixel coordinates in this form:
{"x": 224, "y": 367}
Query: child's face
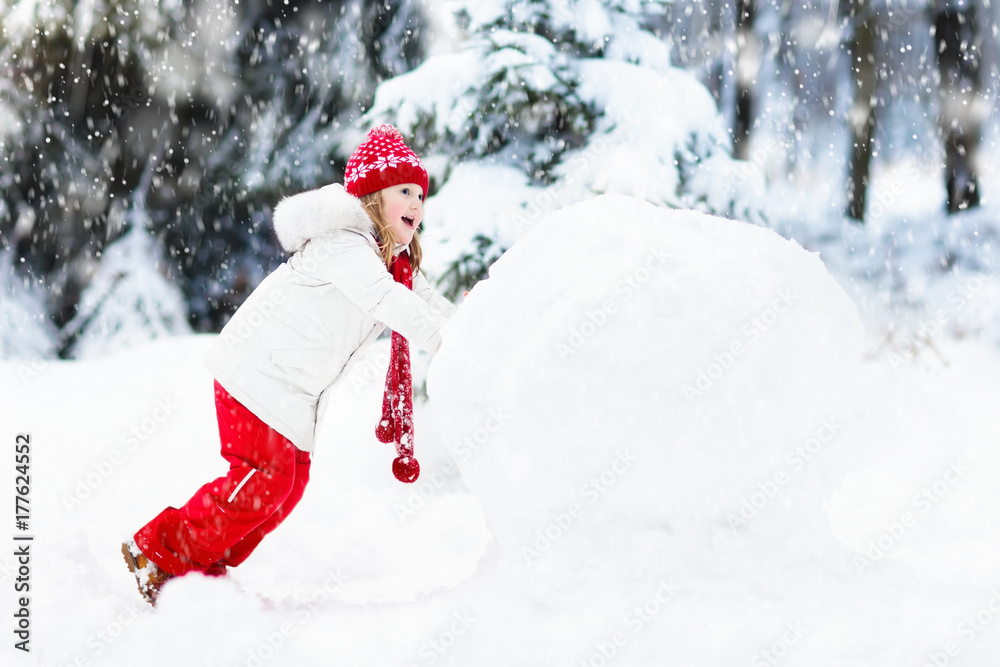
{"x": 404, "y": 209}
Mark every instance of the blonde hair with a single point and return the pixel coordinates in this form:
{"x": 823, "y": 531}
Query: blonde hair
{"x": 373, "y": 204}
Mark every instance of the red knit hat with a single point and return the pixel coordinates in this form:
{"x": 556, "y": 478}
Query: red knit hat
{"x": 381, "y": 161}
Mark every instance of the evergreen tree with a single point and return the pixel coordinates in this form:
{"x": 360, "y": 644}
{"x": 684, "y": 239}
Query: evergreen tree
{"x": 129, "y": 300}
{"x": 74, "y": 89}
{"x": 25, "y": 332}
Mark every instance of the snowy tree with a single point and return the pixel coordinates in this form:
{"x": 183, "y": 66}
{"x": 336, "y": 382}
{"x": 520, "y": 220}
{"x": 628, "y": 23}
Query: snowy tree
{"x": 747, "y": 66}
{"x": 861, "y": 118}
{"x": 957, "y": 32}
{"x": 881, "y": 38}
{"x": 25, "y": 331}
{"x": 77, "y": 129}
{"x": 129, "y": 300}
{"x": 539, "y": 103}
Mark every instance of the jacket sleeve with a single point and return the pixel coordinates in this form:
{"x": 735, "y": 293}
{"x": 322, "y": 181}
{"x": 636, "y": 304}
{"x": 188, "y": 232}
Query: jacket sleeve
{"x": 423, "y": 289}
{"x": 346, "y": 260}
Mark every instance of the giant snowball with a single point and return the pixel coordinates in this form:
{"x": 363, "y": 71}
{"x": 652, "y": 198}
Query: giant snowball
{"x": 627, "y": 368}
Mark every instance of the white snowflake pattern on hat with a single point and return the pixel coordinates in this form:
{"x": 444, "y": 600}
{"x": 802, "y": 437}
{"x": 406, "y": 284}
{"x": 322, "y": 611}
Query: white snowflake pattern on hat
{"x": 383, "y": 162}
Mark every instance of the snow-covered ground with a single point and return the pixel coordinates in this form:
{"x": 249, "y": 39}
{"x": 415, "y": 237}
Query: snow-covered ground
{"x": 823, "y": 499}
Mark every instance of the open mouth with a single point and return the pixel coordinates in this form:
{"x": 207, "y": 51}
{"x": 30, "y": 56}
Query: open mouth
{"x": 408, "y": 220}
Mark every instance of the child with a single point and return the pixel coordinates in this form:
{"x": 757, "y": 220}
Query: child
{"x": 355, "y": 256}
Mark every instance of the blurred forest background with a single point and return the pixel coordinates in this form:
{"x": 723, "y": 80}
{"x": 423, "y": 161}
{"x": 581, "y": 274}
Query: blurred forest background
{"x": 144, "y": 144}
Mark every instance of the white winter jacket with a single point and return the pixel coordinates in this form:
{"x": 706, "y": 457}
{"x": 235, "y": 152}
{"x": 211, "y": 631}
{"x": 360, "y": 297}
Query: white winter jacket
{"x": 305, "y": 324}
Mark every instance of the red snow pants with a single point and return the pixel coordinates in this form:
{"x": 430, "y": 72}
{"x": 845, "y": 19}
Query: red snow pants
{"x": 227, "y": 518}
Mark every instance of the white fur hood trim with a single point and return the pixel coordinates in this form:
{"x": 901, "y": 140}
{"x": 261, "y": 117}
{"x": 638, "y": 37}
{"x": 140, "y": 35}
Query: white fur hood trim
{"x": 314, "y": 213}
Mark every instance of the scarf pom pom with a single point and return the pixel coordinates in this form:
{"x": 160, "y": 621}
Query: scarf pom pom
{"x": 406, "y": 469}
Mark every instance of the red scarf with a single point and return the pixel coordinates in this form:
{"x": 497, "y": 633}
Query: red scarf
{"x": 397, "y": 403}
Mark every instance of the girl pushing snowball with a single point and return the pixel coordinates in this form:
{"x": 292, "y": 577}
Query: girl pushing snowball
{"x": 354, "y": 270}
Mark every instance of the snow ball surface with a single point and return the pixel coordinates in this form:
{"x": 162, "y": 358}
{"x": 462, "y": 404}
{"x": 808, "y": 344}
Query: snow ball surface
{"x": 627, "y": 368}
